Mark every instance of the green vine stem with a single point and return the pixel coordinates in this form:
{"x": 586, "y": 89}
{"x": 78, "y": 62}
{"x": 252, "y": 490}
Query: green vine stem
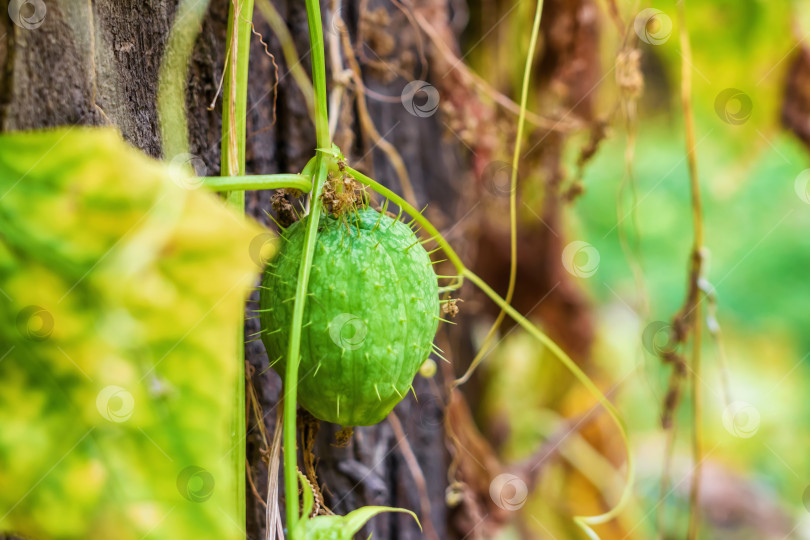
{"x": 321, "y": 166}
{"x": 234, "y": 113}
{"x": 583, "y": 522}
{"x": 524, "y": 96}
{"x": 234, "y": 107}
{"x": 171, "y": 99}
{"x": 258, "y": 181}
{"x": 293, "y": 354}
{"x": 406, "y": 206}
{"x": 318, "y": 73}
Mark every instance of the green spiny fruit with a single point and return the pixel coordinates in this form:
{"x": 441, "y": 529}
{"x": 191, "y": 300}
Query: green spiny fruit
{"x": 369, "y": 319}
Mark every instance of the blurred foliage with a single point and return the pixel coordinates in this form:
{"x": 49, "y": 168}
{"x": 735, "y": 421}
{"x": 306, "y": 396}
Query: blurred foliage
{"x": 756, "y": 219}
{"x": 756, "y": 234}
{"x": 121, "y": 295}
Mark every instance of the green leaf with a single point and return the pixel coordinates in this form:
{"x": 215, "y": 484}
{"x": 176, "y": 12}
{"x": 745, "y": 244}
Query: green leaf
{"x": 336, "y": 527}
{"x": 120, "y": 296}
{"x": 342, "y": 527}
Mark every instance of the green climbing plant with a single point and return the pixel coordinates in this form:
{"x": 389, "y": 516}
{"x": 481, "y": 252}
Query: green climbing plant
{"x": 329, "y": 159}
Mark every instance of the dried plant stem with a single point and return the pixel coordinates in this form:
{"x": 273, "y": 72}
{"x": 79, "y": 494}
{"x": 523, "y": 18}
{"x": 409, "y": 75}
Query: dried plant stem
{"x": 471, "y": 77}
{"x": 339, "y": 80}
{"x": 663, "y": 487}
{"x": 695, "y": 309}
{"x": 365, "y": 118}
{"x": 273, "y": 512}
{"x": 279, "y": 27}
{"x": 418, "y": 476}
{"x": 631, "y": 248}
{"x": 253, "y": 485}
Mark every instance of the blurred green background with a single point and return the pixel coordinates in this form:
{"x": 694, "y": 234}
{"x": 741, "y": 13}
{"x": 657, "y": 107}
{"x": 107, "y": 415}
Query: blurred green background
{"x": 756, "y": 216}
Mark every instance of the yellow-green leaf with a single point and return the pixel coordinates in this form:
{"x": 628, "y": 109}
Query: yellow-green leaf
{"x": 121, "y": 291}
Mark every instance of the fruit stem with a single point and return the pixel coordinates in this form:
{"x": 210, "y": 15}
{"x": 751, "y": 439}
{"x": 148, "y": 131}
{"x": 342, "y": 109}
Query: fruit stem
{"x": 321, "y": 169}
{"x": 417, "y": 216}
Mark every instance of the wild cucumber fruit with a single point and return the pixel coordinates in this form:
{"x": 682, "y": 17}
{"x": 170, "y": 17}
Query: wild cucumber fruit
{"x": 369, "y": 320}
